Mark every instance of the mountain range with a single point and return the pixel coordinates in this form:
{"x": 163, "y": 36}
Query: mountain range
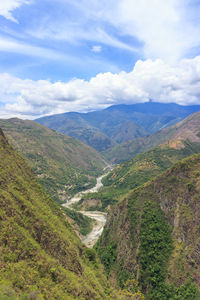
{"x": 150, "y": 245}
{"x": 174, "y": 143}
{"x": 187, "y": 129}
{"x": 119, "y": 123}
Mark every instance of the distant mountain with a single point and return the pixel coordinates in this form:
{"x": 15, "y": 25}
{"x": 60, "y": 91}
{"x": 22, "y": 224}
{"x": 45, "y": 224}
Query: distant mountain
{"x": 62, "y": 164}
{"x": 152, "y": 236}
{"x": 185, "y": 141}
{"x": 40, "y": 255}
{"x": 189, "y": 128}
{"x": 118, "y": 123}
{"x": 74, "y": 125}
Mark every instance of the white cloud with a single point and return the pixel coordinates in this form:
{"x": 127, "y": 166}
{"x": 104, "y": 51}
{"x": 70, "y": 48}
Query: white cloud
{"x": 13, "y": 46}
{"x": 6, "y": 8}
{"x": 164, "y": 29}
{"x": 167, "y": 29}
{"x": 149, "y": 79}
{"x": 96, "y": 48}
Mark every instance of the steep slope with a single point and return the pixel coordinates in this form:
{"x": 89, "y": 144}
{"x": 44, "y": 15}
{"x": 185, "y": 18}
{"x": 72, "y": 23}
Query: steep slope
{"x": 186, "y": 129}
{"x": 74, "y": 125}
{"x": 153, "y": 235}
{"x": 118, "y": 123}
{"x": 40, "y": 255}
{"x": 63, "y": 165}
{"x": 185, "y": 141}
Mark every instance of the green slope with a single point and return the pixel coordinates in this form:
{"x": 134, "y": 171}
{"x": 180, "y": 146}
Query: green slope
{"x": 185, "y": 141}
{"x": 63, "y": 165}
{"x": 40, "y": 255}
{"x": 186, "y": 129}
{"x": 135, "y": 172}
{"x": 74, "y": 125}
{"x": 153, "y": 235}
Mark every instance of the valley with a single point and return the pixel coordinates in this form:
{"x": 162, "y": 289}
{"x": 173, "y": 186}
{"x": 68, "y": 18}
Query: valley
{"x": 133, "y": 226}
{"x": 100, "y": 217}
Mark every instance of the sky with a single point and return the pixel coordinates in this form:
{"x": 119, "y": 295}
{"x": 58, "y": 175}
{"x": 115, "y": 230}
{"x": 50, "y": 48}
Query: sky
{"x": 82, "y": 55}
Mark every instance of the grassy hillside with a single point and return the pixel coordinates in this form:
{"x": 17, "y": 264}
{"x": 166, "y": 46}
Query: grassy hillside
{"x": 40, "y": 255}
{"x": 62, "y": 164}
{"x": 152, "y": 236}
{"x": 136, "y": 172}
{"x": 189, "y": 128}
{"x": 185, "y": 141}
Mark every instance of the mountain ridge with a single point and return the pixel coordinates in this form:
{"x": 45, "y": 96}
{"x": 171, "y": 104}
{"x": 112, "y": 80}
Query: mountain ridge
{"x": 129, "y": 149}
{"x": 185, "y": 141}
{"x": 144, "y": 119}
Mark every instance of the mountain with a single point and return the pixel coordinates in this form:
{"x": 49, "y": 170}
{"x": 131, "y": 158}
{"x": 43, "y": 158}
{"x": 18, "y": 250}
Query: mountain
{"x": 185, "y": 141}
{"x": 40, "y": 255}
{"x": 119, "y": 123}
{"x": 152, "y": 236}
{"x": 74, "y": 125}
{"x": 62, "y": 164}
{"x": 187, "y": 129}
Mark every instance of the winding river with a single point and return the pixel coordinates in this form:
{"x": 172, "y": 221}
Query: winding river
{"x": 100, "y": 217}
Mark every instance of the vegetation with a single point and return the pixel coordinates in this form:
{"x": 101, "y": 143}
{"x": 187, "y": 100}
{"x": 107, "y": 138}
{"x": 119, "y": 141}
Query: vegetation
{"x": 155, "y": 248}
{"x": 156, "y": 230}
{"x": 187, "y": 129}
{"x": 40, "y": 255}
{"x": 63, "y": 165}
{"x": 137, "y": 171}
{"x": 84, "y": 223}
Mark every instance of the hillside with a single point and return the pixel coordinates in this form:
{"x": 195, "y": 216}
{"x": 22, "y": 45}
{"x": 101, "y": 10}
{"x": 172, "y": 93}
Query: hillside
{"x": 40, "y": 255}
{"x": 152, "y": 235}
{"x": 119, "y": 123}
{"x": 136, "y": 172}
{"x": 143, "y": 167}
{"x": 186, "y": 129}
{"x": 74, "y": 125}
{"x": 62, "y": 164}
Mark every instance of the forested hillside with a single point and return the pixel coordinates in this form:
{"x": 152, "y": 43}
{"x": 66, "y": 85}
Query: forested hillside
{"x": 152, "y": 236}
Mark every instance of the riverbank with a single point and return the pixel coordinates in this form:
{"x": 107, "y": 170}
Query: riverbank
{"x": 100, "y": 218}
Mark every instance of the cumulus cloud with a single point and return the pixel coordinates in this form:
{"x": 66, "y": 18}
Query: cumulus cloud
{"x": 6, "y": 8}
{"x": 149, "y": 80}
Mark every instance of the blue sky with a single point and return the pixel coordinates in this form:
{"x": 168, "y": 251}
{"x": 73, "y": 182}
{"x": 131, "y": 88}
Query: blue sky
{"x": 63, "y": 55}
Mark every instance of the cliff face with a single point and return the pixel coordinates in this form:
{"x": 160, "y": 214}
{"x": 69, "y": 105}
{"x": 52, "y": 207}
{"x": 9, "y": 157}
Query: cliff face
{"x": 153, "y": 235}
{"x": 40, "y": 255}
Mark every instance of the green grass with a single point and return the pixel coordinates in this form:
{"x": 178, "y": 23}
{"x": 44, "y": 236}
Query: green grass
{"x": 40, "y": 255}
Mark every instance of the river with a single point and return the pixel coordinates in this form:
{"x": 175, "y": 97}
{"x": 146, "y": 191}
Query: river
{"x": 100, "y": 217}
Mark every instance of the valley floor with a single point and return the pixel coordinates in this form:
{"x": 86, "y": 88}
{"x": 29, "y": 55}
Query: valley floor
{"x": 100, "y": 217}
